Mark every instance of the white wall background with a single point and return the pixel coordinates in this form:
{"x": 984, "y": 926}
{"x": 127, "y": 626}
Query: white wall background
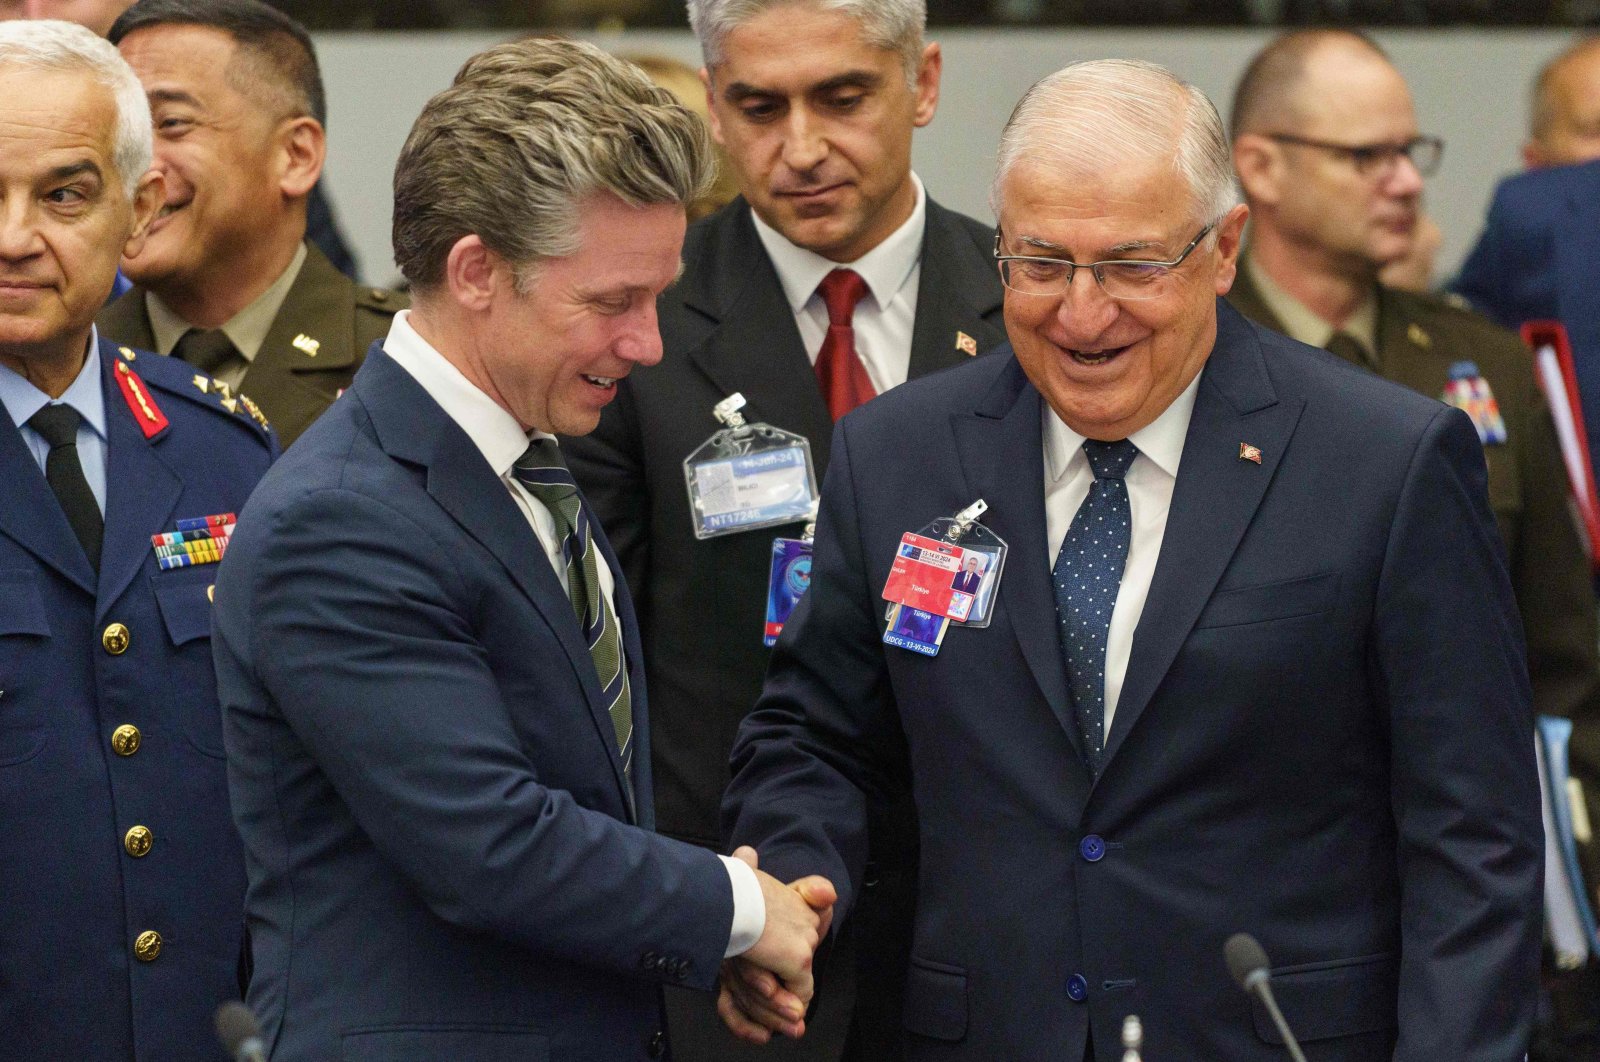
{"x": 1471, "y": 88}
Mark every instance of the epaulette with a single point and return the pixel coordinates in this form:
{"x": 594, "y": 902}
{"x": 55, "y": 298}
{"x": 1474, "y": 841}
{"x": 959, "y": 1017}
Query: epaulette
{"x": 176, "y": 377}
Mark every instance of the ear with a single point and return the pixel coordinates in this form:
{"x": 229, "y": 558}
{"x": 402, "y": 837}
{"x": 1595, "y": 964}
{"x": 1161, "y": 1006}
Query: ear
{"x": 1533, "y": 157}
{"x": 473, "y": 273}
{"x": 303, "y": 148}
{"x": 711, "y": 106}
{"x": 1230, "y": 239}
{"x": 1259, "y": 162}
{"x": 148, "y": 196}
{"x": 928, "y": 84}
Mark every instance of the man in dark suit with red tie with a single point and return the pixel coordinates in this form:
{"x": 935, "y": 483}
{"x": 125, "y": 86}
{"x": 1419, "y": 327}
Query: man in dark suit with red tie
{"x": 833, "y": 278}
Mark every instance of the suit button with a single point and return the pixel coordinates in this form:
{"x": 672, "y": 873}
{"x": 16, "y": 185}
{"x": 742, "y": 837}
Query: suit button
{"x": 125, "y": 739}
{"x": 115, "y": 639}
{"x": 1092, "y": 848}
{"x": 657, "y": 1047}
{"x": 147, "y": 946}
{"x": 138, "y": 841}
{"x": 1077, "y": 988}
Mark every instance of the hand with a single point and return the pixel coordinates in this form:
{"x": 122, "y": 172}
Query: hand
{"x": 766, "y": 989}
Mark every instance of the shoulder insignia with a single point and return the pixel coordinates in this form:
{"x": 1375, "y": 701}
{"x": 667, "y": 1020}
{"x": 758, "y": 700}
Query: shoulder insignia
{"x": 381, "y": 300}
{"x": 254, "y": 411}
{"x": 146, "y": 413}
{"x": 306, "y": 345}
{"x": 203, "y": 383}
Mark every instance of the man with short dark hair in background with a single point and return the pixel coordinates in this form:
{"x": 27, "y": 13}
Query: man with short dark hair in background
{"x": 833, "y": 236}
{"x": 229, "y": 282}
{"x": 119, "y": 476}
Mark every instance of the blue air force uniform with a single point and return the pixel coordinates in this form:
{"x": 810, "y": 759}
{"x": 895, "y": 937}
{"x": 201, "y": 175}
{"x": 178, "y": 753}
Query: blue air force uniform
{"x": 123, "y": 883}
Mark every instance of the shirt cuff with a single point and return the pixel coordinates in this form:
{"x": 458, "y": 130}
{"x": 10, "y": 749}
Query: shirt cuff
{"x": 749, "y": 909}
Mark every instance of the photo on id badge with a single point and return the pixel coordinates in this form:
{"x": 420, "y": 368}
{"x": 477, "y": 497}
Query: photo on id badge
{"x": 973, "y": 585}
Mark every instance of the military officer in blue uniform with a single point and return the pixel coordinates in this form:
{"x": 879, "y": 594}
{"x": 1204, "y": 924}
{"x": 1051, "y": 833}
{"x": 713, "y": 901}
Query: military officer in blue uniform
{"x": 123, "y": 885}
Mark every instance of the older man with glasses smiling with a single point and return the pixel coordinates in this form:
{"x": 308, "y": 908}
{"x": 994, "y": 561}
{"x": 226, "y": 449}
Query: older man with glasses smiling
{"x": 1326, "y": 147}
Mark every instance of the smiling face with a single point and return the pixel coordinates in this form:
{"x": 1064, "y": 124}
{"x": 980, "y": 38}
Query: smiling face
{"x": 818, "y": 123}
{"x": 65, "y": 216}
{"x": 552, "y": 356}
{"x": 221, "y": 153}
{"x": 1109, "y": 367}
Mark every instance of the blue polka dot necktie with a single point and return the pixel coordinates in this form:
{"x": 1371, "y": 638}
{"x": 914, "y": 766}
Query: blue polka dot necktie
{"x": 1087, "y": 574}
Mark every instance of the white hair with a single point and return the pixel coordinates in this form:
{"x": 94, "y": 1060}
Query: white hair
{"x": 1092, "y": 117}
{"x": 49, "y": 44}
{"x": 894, "y": 25}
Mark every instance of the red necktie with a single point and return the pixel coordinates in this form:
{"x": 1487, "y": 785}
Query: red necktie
{"x": 845, "y": 384}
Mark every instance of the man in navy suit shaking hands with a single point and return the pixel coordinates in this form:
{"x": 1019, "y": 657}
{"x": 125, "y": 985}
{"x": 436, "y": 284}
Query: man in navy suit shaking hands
{"x": 1252, "y": 664}
{"x": 436, "y": 719}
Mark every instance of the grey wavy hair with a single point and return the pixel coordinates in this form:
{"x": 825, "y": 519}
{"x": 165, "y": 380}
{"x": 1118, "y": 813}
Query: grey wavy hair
{"x": 48, "y": 44}
{"x": 1091, "y": 117}
{"x": 894, "y": 25}
{"x": 527, "y": 132}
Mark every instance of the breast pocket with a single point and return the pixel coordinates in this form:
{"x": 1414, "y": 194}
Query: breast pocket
{"x": 1284, "y": 599}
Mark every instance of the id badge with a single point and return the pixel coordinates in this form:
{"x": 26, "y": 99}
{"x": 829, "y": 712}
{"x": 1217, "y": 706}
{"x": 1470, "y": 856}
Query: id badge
{"x": 947, "y": 574}
{"x": 748, "y": 476}
{"x": 787, "y": 583}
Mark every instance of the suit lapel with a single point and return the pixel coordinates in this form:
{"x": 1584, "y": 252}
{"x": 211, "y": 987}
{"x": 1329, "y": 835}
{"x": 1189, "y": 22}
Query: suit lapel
{"x": 1001, "y": 449}
{"x": 1213, "y": 502}
{"x": 313, "y": 332}
{"x": 755, "y": 348}
{"x": 959, "y": 287}
{"x": 412, "y": 428}
{"x": 142, "y": 492}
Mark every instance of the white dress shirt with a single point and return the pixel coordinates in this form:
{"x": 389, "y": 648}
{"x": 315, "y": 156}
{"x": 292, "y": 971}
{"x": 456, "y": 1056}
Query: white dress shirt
{"x": 22, "y": 400}
{"x": 1150, "y": 480}
{"x": 501, "y": 440}
{"x": 884, "y": 318}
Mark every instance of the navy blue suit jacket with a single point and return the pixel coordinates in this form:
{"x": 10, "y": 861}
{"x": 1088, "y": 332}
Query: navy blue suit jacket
{"x": 423, "y": 769}
{"x": 1536, "y": 260}
{"x": 1323, "y": 737}
{"x": 75, "y": 898}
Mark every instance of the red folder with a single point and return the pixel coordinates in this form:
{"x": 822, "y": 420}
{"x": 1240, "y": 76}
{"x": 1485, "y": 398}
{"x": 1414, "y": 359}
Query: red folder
{"x": 1553, "y": 366}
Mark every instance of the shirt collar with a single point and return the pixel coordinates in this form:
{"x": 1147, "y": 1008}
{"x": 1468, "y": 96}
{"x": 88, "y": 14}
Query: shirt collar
{"x": 495, "y": 432}
{"x": 1300, "y": 322}
{"x": 22, "y": 400}
{"x": 885, "y": 268}
{"x": 1161, "y": 440}
{"x": 247, "y": 329}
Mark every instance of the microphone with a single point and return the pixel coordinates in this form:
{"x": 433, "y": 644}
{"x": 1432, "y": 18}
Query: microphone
{"x": 240, "y": 1033}
{"x": 1247, "y": 962}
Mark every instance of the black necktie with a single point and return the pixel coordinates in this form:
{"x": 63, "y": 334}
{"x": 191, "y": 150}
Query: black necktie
{"x": 58, "y": 425}
{"x": 207, "y": 349}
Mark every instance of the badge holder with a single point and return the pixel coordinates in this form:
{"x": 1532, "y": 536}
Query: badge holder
{"x": 748, "y": 476}
{"x": 946, "y": 574}
{"x": 789, "y": 578}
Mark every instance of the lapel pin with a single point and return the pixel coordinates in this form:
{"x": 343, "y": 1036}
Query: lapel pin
{"x": 127, "y": 354}
{"x": 306, "y": 345}
{"x": 966, "y": 344}
{"x": 1417, "y": 335}
{"x": 1249, "y": 453}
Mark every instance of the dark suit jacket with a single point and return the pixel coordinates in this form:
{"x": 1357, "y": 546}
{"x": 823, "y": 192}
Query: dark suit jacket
{"x": 76, "y": 898}
{"x": 1535, "y": 260}
{"x": 424, "y": 771}
{"x": 726, "y": 327}
{"x": 1323, "y": 737}
{"x": 290, "y": 384}
{"x": 1419, "y": 338}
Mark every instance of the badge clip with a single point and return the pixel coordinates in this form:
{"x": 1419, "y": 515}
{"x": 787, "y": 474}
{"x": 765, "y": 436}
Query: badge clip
{"x": 748, "y": 476}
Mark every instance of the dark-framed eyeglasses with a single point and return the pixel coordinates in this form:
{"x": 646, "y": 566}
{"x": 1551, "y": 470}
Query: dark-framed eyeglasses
{"x": 1425, "y": 153}
{"x": 1127, "y": 279}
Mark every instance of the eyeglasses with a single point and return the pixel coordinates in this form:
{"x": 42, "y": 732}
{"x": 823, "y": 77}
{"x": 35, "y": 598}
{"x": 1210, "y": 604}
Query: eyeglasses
{"x": 1425, "y": 153}
{"x": 1127, "y": 279}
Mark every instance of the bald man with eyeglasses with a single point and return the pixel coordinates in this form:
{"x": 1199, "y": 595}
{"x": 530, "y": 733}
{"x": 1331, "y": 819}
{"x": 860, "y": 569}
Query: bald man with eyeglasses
{"x": 1328, "y": 153}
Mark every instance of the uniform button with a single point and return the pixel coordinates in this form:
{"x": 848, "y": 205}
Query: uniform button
{"x": 147, "y": 946}
{"x": 1092, "y": 848}
{"x": 138, "y": 841}
{"x": 1077, "y": 988}
{"x": 115, "y": 639}
{"x": 657, "y": 1047}
{"x": 125, "y": 739}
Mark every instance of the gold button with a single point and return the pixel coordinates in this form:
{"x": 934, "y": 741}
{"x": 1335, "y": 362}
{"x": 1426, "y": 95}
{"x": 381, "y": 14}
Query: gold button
{"x": 125, "y": 739}
{"x": 138, "y": 841}
{"x": 115, "y": 639}
{"x": 147, "y": 946}
{"x": 211, "y": 593}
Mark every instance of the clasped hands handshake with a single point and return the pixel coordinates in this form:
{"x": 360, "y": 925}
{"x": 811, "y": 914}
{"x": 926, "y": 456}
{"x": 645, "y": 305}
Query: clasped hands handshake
{"x": 768, "y": 988}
